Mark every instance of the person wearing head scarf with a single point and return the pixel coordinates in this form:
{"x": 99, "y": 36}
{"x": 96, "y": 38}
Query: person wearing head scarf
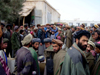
{"x": 58, "y": 56}
{"x": 33, "y": 50}
{"x": 15, "y": 41}
{"x": 75, "y": 62}
{"x": 24, "y": 62}
{"x": 96, "y": 69}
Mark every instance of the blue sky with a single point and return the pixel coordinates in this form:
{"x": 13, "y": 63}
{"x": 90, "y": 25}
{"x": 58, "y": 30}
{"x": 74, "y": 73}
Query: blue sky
{"x": 77, "y": 9}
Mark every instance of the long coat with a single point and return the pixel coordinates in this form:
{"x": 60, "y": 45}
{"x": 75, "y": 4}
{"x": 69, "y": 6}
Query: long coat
{"x": 96, "y": 69}
{"x": 58, "y": 61}
{"x": 68, "y": 38}
{"x": 15, "y": 42}
{"x": 90, "y": 60}
{"x": 64, "y": 34}
{"x": 34, "y": 55}
{"x": 75, "y": 62}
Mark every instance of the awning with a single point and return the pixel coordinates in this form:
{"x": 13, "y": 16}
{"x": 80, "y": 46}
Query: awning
{"x": 26, "y": 10}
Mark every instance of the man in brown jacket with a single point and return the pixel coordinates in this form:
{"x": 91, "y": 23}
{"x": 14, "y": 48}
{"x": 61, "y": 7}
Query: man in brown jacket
{"x": 68, "y": 37}
{"x": 58, "y": 56}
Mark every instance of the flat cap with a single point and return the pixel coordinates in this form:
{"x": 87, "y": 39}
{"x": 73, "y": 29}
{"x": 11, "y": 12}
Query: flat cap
{"x": 27, "y": 39}
{"x": 16, "y": 27}
{"x": 5, "y": 40}
{"x": 36, "y": 40}
{"x": 91, "y": 43}
{"x": 56, "y": 41}
{"x": 47, "y": 40}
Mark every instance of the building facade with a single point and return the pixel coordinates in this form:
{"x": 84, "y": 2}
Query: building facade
{"x": 78, "y": 22}
{"x": 39, "y": 12}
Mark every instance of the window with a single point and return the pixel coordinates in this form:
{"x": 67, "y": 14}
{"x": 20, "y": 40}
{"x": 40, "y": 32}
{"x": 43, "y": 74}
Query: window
{"x": 85, "y": 24}
{"x": 58, "y": 19}
{"x": 78, "y": 24}
{"x": 91, "y": 24}
{"x": 70, "y": 24}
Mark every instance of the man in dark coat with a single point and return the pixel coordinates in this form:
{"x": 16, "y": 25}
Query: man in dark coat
{"x": 8, "y": 35}
{"x": 41, "y": 35}
{"x": 25, "y": 30}
{"x": 75, "y": 62}
{"x": 25, "y": 63}
{"x": 15, "y": 41}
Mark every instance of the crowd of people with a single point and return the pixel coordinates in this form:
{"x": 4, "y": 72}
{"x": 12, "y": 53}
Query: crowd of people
{"x": 51, "y": 49}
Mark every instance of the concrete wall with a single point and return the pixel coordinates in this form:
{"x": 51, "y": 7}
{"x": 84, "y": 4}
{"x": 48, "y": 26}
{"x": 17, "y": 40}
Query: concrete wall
{"x": 46, "y": 8}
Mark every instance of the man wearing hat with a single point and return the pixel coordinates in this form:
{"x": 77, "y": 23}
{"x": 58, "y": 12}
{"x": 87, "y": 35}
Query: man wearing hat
{"x": 15, "y": 41}
{"x": 58, "y": 56}
{"x": 95, "y": 27}
{"x": 83, "y": 25}
{"x": 8, "y": 35}
{"x": 59, "y": 34}
{"x": 47, "y": 30}
{"x": 96, "y": 69}
{"x": 41, "y": 35}
{"x": 33, "y": 50}
{"x": 55, "y": 29}
{"x": 68, "y": 37}
{"x": 64, "y": 33}
{"x": 35, "y": 32}
{"x": 49, "y": 53}
{"x": 89, "y": 56}
{"x": 75, "y": 62}
{"x": 49, "y": 48}
{"x": 25, "y": 63}
{"x": 26, "y": 29}
{"x": 31, "y": 27}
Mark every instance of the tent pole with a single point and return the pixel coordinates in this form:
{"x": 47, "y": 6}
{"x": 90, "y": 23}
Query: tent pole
{"x": 23, "y": 21}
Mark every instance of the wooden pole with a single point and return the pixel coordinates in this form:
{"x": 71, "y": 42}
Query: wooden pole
{"x": 23, "y": 21}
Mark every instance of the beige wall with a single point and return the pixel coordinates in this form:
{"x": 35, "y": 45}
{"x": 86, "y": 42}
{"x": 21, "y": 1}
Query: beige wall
{"x": 45, "y": 7}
